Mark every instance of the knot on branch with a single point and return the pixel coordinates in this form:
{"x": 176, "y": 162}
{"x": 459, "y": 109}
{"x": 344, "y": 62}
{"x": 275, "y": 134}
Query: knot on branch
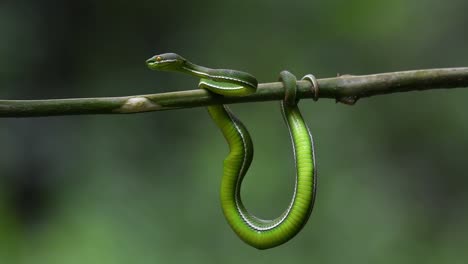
{"x": 138, "y": 104}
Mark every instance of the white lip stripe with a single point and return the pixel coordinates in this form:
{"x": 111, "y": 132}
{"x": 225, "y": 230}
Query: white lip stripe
{"x": 164, "y": 61}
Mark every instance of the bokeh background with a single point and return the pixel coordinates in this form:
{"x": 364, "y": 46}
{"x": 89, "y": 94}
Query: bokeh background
{"x": 144, "y": 188}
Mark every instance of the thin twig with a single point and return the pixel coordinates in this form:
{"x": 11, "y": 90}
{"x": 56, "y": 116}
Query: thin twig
{"x": 346, "y": 89}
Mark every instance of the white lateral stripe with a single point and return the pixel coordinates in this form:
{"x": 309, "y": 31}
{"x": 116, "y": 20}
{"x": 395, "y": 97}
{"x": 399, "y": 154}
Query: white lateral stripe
{"x": 218, "y": 76}
{"x": 221, "y": 87}
{"x": 239, "y": 177}
{"x": 271, "y": 224}
{"x": 165, "y": 61}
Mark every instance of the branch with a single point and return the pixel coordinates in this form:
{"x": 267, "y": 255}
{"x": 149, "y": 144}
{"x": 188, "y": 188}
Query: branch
{"x": 346, "y": 89}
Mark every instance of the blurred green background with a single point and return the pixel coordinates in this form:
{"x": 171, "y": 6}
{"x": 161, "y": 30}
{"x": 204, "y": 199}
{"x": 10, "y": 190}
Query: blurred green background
{"x": 144, "y": 188}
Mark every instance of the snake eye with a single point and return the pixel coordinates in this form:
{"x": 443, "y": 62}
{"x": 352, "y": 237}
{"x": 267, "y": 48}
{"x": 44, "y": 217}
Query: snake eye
{"x": 158, "y": 58}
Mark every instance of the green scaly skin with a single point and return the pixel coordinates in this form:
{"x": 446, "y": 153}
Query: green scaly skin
{"x": 256, "y": 232}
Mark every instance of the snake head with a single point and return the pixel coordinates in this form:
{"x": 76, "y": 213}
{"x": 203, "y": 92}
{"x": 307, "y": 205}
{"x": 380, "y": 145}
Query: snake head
{"x": 165, "y": 62}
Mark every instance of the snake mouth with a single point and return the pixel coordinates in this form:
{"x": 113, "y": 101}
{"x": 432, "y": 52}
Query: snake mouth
{"x": 160, "y": 65}
{"x": 156, "y": 65}
{"x": 151, "y": 62}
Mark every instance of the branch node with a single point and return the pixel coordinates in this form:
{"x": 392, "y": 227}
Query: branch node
{"x": 137, "y": 104}
{"x": 347, "y": 100}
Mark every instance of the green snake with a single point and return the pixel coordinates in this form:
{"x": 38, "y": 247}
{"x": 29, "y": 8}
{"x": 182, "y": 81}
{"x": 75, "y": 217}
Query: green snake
{"x": 257, "y": 232}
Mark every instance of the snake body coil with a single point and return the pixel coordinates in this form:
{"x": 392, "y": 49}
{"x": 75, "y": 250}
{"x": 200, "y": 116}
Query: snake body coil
{"x": 257, "y": 232}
